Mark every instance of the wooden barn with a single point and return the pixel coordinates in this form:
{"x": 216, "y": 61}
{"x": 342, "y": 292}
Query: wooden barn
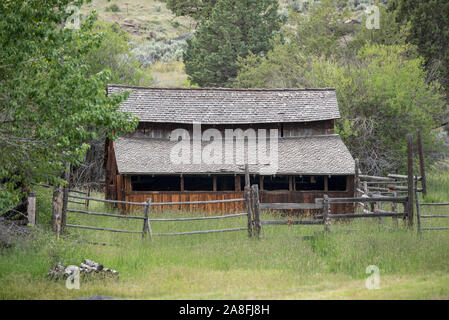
{"x": 310, "y": 159}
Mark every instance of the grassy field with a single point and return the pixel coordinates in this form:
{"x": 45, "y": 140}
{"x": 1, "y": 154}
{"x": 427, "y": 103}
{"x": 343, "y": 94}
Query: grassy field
{"x": 296, "y": 262}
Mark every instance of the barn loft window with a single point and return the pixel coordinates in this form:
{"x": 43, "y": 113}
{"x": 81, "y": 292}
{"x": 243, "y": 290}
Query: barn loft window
{"x": 315, "y": 183}
{"x": 225, "y": 183}
{"x": 337, "y": 183}
{"x": 271, "y": 183}
{"x": 198, "y": 183}
{"x": 156, "y": 183}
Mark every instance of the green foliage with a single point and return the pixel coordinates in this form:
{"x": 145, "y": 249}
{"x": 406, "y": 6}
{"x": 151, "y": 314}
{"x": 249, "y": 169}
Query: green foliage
{"x": 319, "y": 32}
{"x": 197, "y": 9}
{"x": 429, "y": 21}
{"x": 113, "y": 7}
{"x": 49, "y": 106}
{"x": 114, "y": 54}
{"x": 235, "y": 29}
{"x": 382, "y": 89}
{"x": 152, "y": 51}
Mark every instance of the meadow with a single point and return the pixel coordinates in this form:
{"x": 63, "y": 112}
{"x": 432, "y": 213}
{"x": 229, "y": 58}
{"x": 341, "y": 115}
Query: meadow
{"x": 288, "y": 262}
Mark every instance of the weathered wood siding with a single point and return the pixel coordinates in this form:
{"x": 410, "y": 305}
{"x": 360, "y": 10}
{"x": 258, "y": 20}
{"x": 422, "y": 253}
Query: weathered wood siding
{"x": 173, "y": 196}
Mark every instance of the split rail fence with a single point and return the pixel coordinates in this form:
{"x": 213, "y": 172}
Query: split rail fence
{"x": 146, "y": 219}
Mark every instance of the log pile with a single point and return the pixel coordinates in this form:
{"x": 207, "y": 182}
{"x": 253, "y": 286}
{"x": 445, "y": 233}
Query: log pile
{"x": 87, "y": 269}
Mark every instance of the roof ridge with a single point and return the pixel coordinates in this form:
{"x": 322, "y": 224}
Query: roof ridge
{"x": 219, "y": 88}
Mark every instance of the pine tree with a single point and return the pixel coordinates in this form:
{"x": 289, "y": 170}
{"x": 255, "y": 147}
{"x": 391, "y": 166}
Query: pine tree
{"x": 234, "y": 29}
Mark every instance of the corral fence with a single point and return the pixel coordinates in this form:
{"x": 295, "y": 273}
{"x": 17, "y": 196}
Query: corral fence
{"x": 147, "y": 219}
{"x": 325, "y": 204}
{"x": 420, "y": 216}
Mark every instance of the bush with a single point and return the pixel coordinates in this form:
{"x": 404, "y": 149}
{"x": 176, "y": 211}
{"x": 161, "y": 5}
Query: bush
{"x": 113, "y": 8}
{"x": 152, "y": 51}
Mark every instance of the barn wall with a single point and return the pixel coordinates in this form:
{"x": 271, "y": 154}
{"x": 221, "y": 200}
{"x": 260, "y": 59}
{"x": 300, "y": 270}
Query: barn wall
{"x": 174, "y": 196}
{"x": 233, "y": 207}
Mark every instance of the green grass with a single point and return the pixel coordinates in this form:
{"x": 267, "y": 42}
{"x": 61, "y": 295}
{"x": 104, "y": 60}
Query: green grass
{"x": 296, "y": 262}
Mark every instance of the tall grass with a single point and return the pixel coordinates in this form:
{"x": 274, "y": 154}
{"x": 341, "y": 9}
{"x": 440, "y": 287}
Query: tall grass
{"x": 287, "y": 262}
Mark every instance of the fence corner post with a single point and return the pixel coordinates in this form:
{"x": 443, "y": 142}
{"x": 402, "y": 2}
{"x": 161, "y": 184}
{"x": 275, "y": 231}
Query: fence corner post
{"x": 326, "y": 209}
{"x": 248, "y": 198}
{"x": 31, "y": 209}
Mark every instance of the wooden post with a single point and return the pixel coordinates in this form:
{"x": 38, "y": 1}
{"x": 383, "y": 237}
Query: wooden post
{"x": 65, "y": 197}
{"x": 88, "y": 196}
{"x": 31, "y": 210}
{"x": 410, "y": 179}
{"x": 357, "y": 178}
{"x": 418, "y": 212}
{"x": 56, "y": 216}
{"x": 421, "y": 164}
{"x": 146, "y": 223}
{"x": 326, "y": 211}
{"x": 248, "y": 199}
{"x": 257, "y": 223}
{"x": 247, "y": 179}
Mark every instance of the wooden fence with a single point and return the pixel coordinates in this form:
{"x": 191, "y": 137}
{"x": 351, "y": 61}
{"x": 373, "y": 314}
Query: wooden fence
{"x": 324, "y": 205}
{"x": 146, "y": 227}
{"x": 420, "y": 216}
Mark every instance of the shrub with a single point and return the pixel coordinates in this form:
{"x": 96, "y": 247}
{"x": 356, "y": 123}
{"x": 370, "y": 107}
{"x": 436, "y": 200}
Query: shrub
{"x": 152, "y": 51}
{"x": 113, "y": 8}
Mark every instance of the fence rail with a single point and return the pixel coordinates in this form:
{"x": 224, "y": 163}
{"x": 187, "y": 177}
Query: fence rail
{"x": 146, "y": 228}
{"x": 429, "y": 216}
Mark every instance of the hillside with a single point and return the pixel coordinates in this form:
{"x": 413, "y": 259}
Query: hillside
{"x": 148, "y": 21}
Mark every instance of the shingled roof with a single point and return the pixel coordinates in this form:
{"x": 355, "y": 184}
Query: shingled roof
{"x": 317, "y": 155}
{"x": 228, "y": 106}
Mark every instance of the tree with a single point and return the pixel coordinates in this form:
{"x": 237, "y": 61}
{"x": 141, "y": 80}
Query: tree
{"x": 49, "y": 107}
{"x": 235, "y": 28}
{"x": 429, "y": 21}
{"x": 382, "y": 88}
{"x": 197, "y": 9}
{"x": 114, "y": 54}
{"x": 383, "y": 94}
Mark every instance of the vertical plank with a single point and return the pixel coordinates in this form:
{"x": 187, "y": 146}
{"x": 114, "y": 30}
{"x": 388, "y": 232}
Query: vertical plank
{"x": 237, "y": 183}
{"x": 31, "y": 209}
